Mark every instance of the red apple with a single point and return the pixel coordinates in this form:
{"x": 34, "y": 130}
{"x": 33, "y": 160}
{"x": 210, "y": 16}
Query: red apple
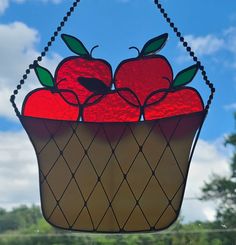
{"x": 49, "y": 104}
{"x": 112, "y": 107}
{"x": 72, "y": 70}
{"x": 146, "y": 73}
{"x": 182, "y": 101}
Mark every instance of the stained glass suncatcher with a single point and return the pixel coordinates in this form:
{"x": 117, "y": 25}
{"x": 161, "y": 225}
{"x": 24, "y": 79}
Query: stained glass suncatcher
{"x": 113, "y": 146}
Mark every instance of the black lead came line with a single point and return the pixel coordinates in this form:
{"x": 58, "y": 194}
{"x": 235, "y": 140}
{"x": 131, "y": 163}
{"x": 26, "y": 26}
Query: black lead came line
{"x": 43, "y": 54}
{"x": 65, "y": 20}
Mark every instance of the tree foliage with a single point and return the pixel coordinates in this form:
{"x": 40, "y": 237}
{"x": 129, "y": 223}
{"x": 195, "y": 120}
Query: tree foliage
{"x": 18, "y": 218}
{"x": 223, "y": 190}
{"x": 26, "y": 226}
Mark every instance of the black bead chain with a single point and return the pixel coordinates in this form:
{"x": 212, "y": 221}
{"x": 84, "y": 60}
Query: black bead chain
{"x": 189, "y": 50}
{"x": 62, "y": 24}
{"x": 43, "y": 53}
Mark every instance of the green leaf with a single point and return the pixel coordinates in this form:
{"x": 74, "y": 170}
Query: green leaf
{"x": 45, "y": 77}
{"x": 154, "y": 45}
{"x": 75, "y": 45}
{"x": 185, "y": 76}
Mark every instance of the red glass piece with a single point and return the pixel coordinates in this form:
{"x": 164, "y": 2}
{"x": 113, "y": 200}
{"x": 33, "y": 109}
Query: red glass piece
{"x": 129, "y": 96}
{"x": 93, "y": 99}
{"x": 156, "y": 96}
{"x": 179, "y": 102}
{"x": 144, "y": 75}
{"x": 43, "y": 103}
{"x": 71, "y": 69}
{"x": 111, "y": 108}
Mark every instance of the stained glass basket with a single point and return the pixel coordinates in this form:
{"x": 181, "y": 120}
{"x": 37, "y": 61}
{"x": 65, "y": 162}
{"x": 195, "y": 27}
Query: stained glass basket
{"x": 113, "y": 177}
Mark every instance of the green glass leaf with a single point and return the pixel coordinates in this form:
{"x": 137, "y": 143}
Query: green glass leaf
{"x": 185, "y": 76}
{"x": 45, "y": 77}
{"x": 75, "y": 45}
{"x": 154, "y": 45}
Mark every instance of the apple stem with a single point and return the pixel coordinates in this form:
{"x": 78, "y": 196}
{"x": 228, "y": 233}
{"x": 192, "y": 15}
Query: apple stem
{"x": 91, "y": 52}
{"x": 135, "y": 49}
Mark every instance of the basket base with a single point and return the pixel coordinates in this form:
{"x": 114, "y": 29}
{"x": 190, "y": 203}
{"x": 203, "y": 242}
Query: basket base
{"x": 113, "y": 177}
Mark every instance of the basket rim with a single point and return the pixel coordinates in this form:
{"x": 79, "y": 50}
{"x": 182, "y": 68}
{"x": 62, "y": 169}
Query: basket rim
{"x": 203, "y": 113}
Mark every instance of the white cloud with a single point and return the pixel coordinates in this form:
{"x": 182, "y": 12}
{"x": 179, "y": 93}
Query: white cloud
{"x": 201, "y": 45}
{"x": 230, "y": 107}
{"x": 209, "y": 213}
{"x": 205, "y": 45}
{"x": 230, "y": 35}
{"x": 18, "y": 170}
{"x": 209, "y": 158}
{"x": 4, "y": 4}
{"x": 212, "y": 43}
{"x": 18, "y": 50}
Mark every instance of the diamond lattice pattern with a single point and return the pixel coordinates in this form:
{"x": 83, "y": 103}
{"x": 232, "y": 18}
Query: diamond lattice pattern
{"x": 113, "y": 177}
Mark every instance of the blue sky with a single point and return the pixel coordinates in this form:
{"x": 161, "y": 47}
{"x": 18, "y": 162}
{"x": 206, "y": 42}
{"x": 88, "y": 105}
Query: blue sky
{"x": 209, "y": 26}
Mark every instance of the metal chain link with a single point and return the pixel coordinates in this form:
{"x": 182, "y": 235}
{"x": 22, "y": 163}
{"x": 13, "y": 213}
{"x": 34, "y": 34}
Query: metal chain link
{"x": 43, "y": 53}
{"x": 189, "y": 50}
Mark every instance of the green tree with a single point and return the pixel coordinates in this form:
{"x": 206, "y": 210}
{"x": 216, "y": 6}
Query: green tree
{"x": 19, "y": 218}
{"x": 223, "y": 190}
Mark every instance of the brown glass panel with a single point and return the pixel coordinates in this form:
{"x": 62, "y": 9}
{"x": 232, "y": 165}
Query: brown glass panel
{"x": 113, "y": 177}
